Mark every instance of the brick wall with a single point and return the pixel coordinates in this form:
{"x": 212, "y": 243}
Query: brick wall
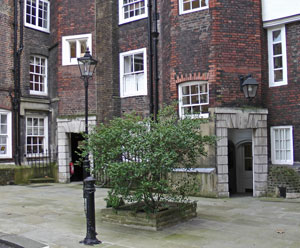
{"x": 107, "y": 35}
{"x": 134, "y": 35}
{"x": 73, "y": 18}
{"x": 6, "y": 56}
{"x": 184, "y": 41}
{"x": 283, "y": 102}
{"x": 235, "y": 50}
{"x": 283, "y": 177}
{"x": 217, "y": 45}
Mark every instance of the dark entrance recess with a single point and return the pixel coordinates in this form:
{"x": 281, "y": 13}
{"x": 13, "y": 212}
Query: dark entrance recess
{"x": 232, "y": 168}
{"x": 76, "y": 139}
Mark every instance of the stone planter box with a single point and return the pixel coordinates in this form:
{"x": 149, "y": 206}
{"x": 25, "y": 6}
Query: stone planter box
{"x": 173, "y": 214}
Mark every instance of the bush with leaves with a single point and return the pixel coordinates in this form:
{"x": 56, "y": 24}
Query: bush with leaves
{"x": 137, "y": 154}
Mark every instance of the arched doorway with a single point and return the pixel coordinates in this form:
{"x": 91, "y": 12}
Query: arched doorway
{"x": 244, "y": 167}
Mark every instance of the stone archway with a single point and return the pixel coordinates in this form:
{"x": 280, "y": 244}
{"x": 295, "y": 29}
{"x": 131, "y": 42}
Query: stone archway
{"x": 65, "y": 127}
{"x": 238, "y": 118}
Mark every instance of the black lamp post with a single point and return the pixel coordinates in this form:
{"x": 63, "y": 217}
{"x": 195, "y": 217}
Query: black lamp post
{"x": 87, "y": 67}
{"x": 249, "y": 86}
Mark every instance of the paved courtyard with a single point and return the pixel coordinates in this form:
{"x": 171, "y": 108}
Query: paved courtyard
{"x": 53, "y": 214}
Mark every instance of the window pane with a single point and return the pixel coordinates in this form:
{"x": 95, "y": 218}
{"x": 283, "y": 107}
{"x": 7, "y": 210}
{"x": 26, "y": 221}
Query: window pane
{"x": 83, "y": 47}
{"x": 186, "y": 90}
{"x": 128, "y": 64}
{"x": 72, "y": 49}
{"x": 3, "y": 129}
{"x": 186, "y": 6}
{"x": 203, "y": 88}
{"x": 203, "y": 98}
{"x": 277, "y": 155}
{"x": 186, "y": 100}
{"x": 129, "y": 82}
{"x": 277, "y": 49}
{"x": 277, "y": 36}
{"x": 138, "y": 62}
{"x": 196, "y": 110}
{"x": 3, "y": 119}
{"x": 195, "y": 99}
{"x": 204, "y": 109}
{"x": 278, "y": 62}
{"x": 288, "y": 155}
{"x": 278, "y": 75}
{"x": 195, "y": 4}
{"x": 194, "y": 89}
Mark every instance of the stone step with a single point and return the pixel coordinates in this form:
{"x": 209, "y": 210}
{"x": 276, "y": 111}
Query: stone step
{"x": 42, "y": 180}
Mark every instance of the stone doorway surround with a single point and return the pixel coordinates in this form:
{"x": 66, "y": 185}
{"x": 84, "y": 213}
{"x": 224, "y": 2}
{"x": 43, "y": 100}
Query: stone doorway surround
{"x": 65, "y": 126}
{"x": 242, "y": 118}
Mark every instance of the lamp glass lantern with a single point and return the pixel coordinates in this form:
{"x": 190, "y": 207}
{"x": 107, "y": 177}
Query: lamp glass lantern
{"x": 87, "y": 65}
{"x": 249, "y": 86}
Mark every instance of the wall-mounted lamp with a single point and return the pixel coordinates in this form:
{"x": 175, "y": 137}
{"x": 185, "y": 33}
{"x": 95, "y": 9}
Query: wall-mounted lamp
{"x": 248, "y": 85}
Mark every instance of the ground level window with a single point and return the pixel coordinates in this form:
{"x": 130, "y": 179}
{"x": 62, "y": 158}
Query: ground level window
{"x": 193, "y": 99}
{"x": 36, "y": 135}
{"x": 282, "y": 145}
{"x": 5, "y": 134}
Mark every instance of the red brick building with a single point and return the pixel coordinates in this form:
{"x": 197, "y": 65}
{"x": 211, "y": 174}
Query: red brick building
{"x": 198, "y": 51}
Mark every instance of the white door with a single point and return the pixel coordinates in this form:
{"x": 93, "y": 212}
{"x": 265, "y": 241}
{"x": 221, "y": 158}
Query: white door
{"x": 244, "y": 168}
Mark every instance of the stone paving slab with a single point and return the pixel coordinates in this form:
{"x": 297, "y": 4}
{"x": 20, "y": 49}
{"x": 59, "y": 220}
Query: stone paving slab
{"x": 53, "y": 214}
{"x": 12, "y": 240}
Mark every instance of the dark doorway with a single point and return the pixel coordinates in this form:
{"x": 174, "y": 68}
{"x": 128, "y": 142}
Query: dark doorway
{"x": 76, "y": 139}
{"x": 231, "y": 168}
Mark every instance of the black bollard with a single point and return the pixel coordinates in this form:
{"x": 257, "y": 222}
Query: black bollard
{"x": 89, "y": 193}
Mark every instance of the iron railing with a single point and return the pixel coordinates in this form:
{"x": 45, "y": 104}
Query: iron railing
{"x": 41, "y": 162}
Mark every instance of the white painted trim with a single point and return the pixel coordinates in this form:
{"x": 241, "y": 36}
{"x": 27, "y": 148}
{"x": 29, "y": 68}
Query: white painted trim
{"x": 273, "y": 158}
{"x": 182, "y": 12}
{"x": 131, "y": 19}
{"x": 136, "y": 93}
{"x": 45, "y": 92}
{"x": 180, "y": 98}
{"x": 66, "y": 60}
{"x": 47, "y": 30}
{"x": 270, "y": 57}
{"x": 282, "y": 21}
{"x": 195, "y": 170}
{"x": 46, "y": 144}
{"x": 9, "y": 134}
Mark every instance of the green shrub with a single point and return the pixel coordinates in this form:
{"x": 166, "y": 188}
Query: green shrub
{"x": 137, "y": 154}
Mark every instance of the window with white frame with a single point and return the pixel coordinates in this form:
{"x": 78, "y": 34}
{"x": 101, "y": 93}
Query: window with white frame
{"x": 38, "y": 75}
{"x": 5, "y": 134}
{"x": 132, "y": 10}
{"x": 74, "y": 47}
{"x": 282, "y": 145}
{"x": 133, "y": 73}
{"x": 277, "y": 56}
{"x": 36, "y": 134}
{"x": 193, "y": 99}
{"x": 187, "y": 6}
{"x": 37, "y": 14}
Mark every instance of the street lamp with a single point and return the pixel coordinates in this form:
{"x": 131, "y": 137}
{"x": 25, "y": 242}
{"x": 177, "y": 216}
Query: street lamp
{"x": 249, "y": 86}
{"x": 87, "y": 67}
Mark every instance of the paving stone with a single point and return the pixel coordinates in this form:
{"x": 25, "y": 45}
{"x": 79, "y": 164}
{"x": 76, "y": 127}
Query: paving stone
{"x": 54, "y": 215}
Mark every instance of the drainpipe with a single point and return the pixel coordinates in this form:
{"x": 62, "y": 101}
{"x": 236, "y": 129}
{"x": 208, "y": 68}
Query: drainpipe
{"x": 155, "y": 35}
{"x": 17, "y": 69}
{"x": 150, "y": 56}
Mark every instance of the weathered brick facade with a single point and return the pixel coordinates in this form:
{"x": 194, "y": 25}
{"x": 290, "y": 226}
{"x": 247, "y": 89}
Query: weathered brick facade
{"x": 283, "y": 102}
{"x": 6, "y": 57}
{"x": 73, "y": 20}
{"x": 215, "y": 44}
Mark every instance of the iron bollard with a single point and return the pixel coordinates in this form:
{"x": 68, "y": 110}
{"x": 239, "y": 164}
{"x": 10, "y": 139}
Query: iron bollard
{"x": 89, "y": 197}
